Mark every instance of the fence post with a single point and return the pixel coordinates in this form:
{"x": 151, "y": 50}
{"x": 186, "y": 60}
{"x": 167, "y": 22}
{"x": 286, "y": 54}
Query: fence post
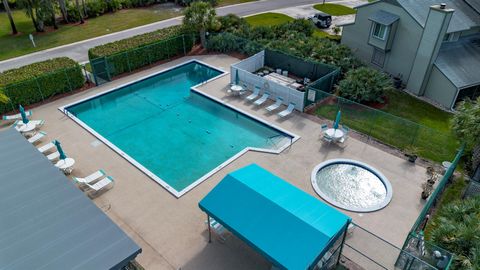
{"x": 128, "y": 62}
{"x": 39, "y": 89}
{"x": 68, "y": 79}
{"x": 11, "y": 103}
{"x": 183, "y": 42}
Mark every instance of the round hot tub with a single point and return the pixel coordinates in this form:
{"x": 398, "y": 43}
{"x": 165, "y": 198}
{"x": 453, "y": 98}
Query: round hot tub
{"x": 351, "y": 185}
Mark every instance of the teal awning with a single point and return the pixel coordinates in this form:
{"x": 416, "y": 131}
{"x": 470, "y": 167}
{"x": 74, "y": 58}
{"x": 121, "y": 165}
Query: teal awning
{"x": 288, "y": 226}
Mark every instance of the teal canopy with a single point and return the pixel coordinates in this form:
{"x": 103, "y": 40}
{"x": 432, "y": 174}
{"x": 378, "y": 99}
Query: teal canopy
{"x": 288, "y": 226}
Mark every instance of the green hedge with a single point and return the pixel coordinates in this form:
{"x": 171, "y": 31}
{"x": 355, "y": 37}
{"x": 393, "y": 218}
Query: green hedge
{"x": 132, "y": 53}
{"x": 39, "y": 81}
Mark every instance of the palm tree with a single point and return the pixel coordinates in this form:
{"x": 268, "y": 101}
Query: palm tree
{"x": 466, "y": 125}
{"x": 200, "y": 16}
{"x": 457, "y": 230}
{"x": 10, "y": 17}
{"x": 77, "y": 4}
{"x": 63, "y": 10}
{"x": 30, "y": 7}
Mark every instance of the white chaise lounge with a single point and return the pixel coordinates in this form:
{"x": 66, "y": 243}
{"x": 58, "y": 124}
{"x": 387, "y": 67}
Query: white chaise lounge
{"x": 255, "y": 94}
{"x": 287, "y": 111}
{"x": 53, "y": 156}
{"x": 37, "y": 137}
{"x": 46, "y": 147}
{"x": 262, "y": 100}
{"x": 92, "y": 178}
{"x": 17, "y": 116}
{"x": 99, "y": 186}
{"x": 275, "y": 105}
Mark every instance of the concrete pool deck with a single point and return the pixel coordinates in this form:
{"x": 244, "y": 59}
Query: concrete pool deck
{"x": 172, "y": 232}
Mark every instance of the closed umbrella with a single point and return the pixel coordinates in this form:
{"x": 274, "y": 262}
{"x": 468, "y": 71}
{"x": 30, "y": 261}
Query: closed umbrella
{"x": 60, "y": 150}
{"x": 337, "y": 119}
{"x": 236, "y": 76}
{"x": 23, "y": 114}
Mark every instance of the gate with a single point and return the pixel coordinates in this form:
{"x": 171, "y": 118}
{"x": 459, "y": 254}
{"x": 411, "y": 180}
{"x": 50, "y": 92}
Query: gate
{"x": 100, "y": 70}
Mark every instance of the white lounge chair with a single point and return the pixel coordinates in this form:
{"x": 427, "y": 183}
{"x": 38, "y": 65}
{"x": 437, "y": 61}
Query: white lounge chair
{"x": 37, "y": 137}
{"x": 324, "y": 127}
{"x": 100, "y": 185}
{"x": 37, "y": 123}
{"x": 46, "y": 147}
{"x": 287, "y": 111}
{"x": 262, "y": 100}
{"x": 275, "y": 105}
{"x": 16, "y": 116}
{"x": 91, "y": 178}
{"x": 255, "y": 93}
{"x": 53, "y": 156}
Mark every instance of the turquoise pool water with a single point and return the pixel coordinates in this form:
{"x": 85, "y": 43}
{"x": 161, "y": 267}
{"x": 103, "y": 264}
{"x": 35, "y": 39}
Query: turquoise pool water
{"x": 175, "y": 133}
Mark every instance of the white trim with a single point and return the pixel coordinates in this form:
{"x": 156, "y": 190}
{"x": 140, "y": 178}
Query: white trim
{"x": 195, "y": 89}
{"x": 330, "y": 200}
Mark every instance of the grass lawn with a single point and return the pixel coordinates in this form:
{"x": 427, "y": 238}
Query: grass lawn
{"x": 322, "y": 34}
{"x": 434, "y": 142}
{"x": 13, "y": 46}
{"x": 335, "y": 9}
{"x": 268, "y": 19}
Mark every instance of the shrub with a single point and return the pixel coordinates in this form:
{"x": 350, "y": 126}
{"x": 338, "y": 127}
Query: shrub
{"x": 231, "y": 22}
{"x": 295, "y": 38}
{"x": 39, "y": 81}
{"x": 365, "y": 85}
{"x": 128, "y": 54}
{"x": 457, "y": 230}
{"x": 96, "y": 8}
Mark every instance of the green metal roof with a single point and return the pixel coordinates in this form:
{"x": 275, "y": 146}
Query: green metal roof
{"x": 288, "y": 226}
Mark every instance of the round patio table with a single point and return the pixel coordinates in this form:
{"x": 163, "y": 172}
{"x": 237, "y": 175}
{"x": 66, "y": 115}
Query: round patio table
{"x": 66, "y": 165}
{"x": 28, "y": 127}
{"x": 236, "y": 89}
{"x": 335, "y": 134}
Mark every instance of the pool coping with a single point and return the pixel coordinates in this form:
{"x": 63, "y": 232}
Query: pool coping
{"x": 383, "y": 179}
{"x": 194, "y": 88}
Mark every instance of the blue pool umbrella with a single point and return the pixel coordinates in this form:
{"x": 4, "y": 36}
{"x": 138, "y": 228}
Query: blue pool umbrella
{"x": 337, "y": 119}
{"x": 60, "y": 150}
{"x": 236, "y": 76}
{"x": 24, "y": 115}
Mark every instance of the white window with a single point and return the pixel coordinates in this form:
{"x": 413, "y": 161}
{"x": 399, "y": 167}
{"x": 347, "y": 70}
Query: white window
{"x": 379, "y": 31}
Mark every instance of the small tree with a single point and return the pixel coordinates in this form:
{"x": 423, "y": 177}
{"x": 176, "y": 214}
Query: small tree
{"x": 466, "y": 125}
{"x": 200, "y": 16}
{"x": 10, "y": 17}
{"x": 365, "y": 85}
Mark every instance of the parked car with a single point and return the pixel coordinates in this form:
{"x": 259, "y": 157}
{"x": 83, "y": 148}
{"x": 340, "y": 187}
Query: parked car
{"x": 322, "y": 20}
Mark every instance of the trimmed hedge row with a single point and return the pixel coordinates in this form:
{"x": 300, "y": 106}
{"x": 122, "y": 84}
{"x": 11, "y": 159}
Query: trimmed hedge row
{"x": 135, "y": 42}
{"x": 39, "y": 81}
{"x": 132, "y": 53}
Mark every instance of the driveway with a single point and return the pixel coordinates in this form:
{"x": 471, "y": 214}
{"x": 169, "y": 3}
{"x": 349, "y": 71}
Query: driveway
{"x": 306, "y": 11}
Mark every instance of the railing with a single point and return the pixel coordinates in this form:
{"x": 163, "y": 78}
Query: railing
{"x": 386, "y": 128}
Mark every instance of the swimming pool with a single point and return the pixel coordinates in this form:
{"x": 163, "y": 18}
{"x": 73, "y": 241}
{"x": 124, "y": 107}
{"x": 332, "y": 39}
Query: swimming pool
{"x": 351, "y": 185}
{"x": 172, "y": 132}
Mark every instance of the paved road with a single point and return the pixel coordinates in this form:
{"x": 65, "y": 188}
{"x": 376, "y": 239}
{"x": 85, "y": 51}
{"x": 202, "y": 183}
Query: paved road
{"x": 78, "y": 50}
